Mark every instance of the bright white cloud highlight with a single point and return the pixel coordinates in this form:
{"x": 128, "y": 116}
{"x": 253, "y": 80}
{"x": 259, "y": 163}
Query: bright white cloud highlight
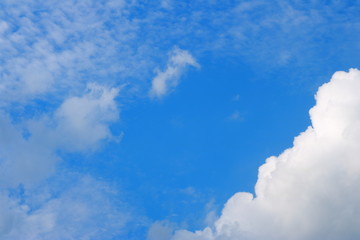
{"x": 168, "y": 79}
{"x": 310, "y": 191}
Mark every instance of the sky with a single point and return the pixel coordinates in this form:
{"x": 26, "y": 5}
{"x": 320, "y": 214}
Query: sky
{"x": 179, "y": 120}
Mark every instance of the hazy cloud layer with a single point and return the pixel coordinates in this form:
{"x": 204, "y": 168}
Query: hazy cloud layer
{"x": 49, "y": 47}
{"x": 57, "y": 47}
{"x": 310, "y": 190}
{"x": 83, "y": 208}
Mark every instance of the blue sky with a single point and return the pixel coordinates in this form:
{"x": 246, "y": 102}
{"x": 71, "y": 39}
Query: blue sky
{"x": 139, "y": 119}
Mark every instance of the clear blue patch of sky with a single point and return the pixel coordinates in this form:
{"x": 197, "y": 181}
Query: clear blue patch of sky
{"x": 185, "y": 150}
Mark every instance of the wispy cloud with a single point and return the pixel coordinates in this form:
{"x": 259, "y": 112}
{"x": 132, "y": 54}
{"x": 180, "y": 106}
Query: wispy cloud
{"x": 235, "y": 116}
{"x": 61, "y": 59}
{"x": 236, "y": 98}
{"x": 56, "y": 47}
{"x": 168, "y": 79}
{"x": 82, "y": 208}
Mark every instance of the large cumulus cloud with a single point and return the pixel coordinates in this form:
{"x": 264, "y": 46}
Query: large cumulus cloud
{"x": 310, "y": 191}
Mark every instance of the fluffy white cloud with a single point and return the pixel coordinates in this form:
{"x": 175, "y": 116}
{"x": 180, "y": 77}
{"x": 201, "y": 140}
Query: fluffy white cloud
{"x": 310, "y": 191}
{"x": 167, "y": 80}
{"x": 79, "y": 124}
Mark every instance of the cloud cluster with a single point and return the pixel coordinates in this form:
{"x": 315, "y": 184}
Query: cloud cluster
{"x": 310, "y": 190}
{"x": 31, "y": 206}
{"x": 56, "y": 97}
{"x": 55, "y": 47}
{"x": 60, "y": 61}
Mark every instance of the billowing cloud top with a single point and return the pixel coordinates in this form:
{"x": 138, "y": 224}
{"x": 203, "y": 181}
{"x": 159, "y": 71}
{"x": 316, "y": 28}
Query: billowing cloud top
{"x": 310, "y": 191}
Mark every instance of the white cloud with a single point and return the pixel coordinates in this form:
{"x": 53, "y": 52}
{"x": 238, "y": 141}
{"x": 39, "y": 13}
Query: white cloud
{"x": 80, "y": 208}
{"x": 310, "y": 190}
{"x": 83, "y": 208}
{"x": 48, "y": 48}
{"x": 51, "y": 50}
{"x": 167, "y": 80}
{"x": 79, "y": 124}
{"x": 49, "y": 53}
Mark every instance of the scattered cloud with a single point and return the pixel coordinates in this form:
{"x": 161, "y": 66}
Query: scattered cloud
{"x": 167, "y": 4}
{"x": 79, "y": 124}
{"x": 235, "y": 116}
{"x": 160, "y": 230}
{"x": 308, "y": 191}
{"x": 83, "y": 208}
{"x": 69, "y": 57}
{"x": 236, "y": 98}
{"x": 23, "y": 160}
{"x": 55, "y": 48}
{"x": 191, "y": 191}
{"x": 168, "y": 79}
{"x": 49, "y": 48}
